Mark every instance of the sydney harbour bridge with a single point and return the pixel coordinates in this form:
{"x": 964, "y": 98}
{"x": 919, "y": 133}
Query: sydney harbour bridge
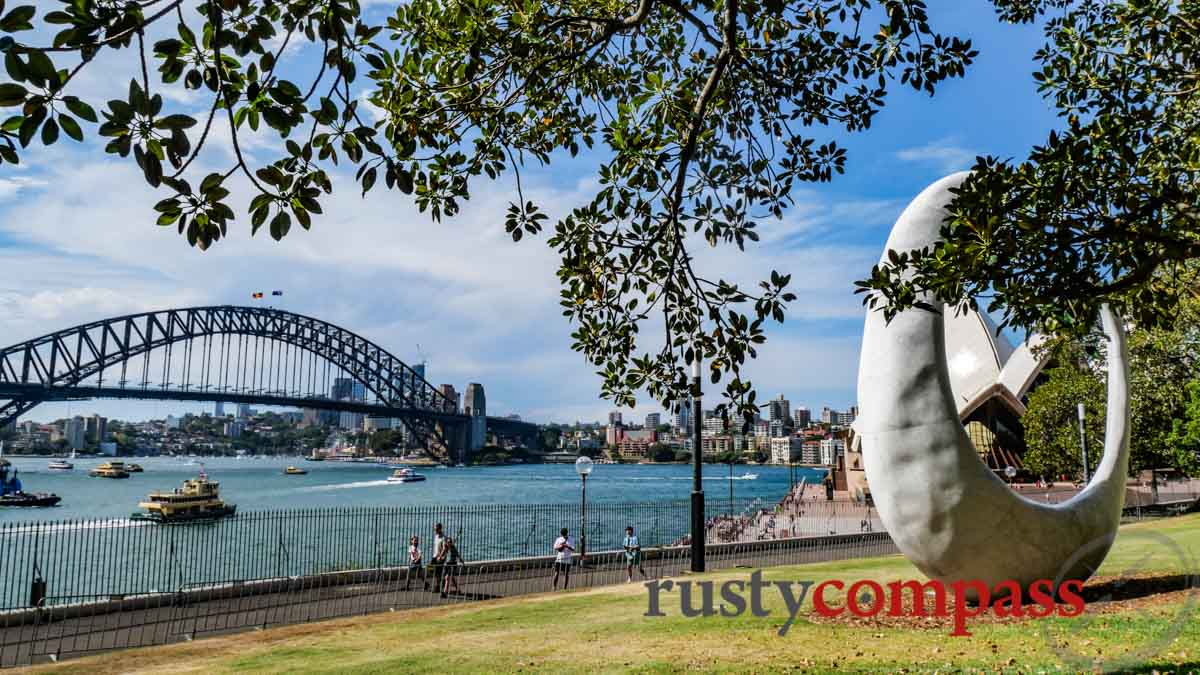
{"x": 237, "y": 354}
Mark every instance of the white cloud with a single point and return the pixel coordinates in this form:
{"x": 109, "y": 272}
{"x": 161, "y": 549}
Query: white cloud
{"x": 945, "y": 154}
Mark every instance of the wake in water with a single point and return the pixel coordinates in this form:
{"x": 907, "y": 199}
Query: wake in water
{"x": 745, "y": 476}
{"x": 345, "y": 486}
{"x": 53, "y": 528}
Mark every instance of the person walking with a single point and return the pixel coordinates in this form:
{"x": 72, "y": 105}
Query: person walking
{"x": 563, "y": 548}
{"x": 451, "y": 566}
{"x": 414, "y": 563}
{"x": 633, "y": 554}
{"x": 438, "y": 563}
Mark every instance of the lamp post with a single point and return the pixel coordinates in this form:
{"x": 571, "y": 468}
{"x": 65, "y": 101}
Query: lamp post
{"x": 583, "y": 467}
{"x": 697, "y": 484}
{"x": 1011, "y": 472}
{"x": 1083, "y": 445}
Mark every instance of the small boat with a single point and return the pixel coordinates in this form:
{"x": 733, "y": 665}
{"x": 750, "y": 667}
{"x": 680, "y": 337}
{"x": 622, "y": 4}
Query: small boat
{"x": 110, "y": 470}
{"x": 198, "y": 500}
{"x": 293, "y": 471}
{"x": 134, "y": 468}
{"x": 315, "y": 458}
{"x": 60, "y": 465}
{"x": 460, "y": 465}
{"x": 12, "y": 494}
{"x": 405, "y": 476}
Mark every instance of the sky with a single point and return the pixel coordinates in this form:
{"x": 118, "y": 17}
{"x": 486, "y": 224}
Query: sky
{"x": 78, "y": 243}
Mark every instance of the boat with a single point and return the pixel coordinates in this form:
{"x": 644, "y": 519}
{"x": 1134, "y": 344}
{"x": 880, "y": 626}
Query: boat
{"x": 110, "y": 470}
{"x": 198, "y": 500}
{"x": 405, "y": 476}
{"x": 12, "y": 494}
{"x": 315, "y": 458}
{"x": 460, "y": 465}
{"x": 60, "y": 465}
{"x": 134, "y": 468}
{"x": 293, "y": 471}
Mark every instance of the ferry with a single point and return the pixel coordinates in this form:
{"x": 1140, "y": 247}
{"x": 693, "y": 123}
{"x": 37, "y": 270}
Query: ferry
{"x": 293, "y": 471}
{"x": 12, "y": 494}
{"x": 197, "y": 500}
{"x": 134, "y": 468}
{"x": 110, "y": 470}
{"x": 405, "y": 476}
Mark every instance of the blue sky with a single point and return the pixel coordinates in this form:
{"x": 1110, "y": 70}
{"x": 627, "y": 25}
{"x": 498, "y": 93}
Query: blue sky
{"x": 78, "y": 242}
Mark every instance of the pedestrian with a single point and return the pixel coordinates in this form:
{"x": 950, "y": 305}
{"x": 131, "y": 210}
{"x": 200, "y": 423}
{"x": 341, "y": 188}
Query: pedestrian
{"x": 563, "y": 548}
{"x": 415, "y": 564}
{"x": 633, "y": 554}
{"x": 438, "y": 563}
{"x": 451, "y": 566}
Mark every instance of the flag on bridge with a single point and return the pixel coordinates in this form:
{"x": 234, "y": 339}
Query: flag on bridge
{"x": 276, "y": 292}
{"x": 256, "y": 296}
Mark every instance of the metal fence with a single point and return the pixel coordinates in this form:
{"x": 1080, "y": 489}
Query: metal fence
{"x": 70, "y": 588}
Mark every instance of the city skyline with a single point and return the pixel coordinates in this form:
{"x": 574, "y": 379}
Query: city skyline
{"x": 484, "y": 309}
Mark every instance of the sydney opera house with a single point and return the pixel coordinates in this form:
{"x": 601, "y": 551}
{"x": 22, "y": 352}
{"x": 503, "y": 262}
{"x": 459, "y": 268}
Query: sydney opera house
{"x": 990, "y": 378}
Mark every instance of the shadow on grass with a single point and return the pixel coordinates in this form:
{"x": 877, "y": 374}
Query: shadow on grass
{"x": 1165, "y": 667}
{"x": 1138, "y": 587}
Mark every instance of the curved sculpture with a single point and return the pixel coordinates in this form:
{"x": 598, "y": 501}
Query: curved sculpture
{"x": 948, "y": 513}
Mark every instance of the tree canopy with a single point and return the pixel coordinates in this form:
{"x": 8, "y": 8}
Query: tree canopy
{"x": 699, "y": 116}
{"x": 1107, "y": 209}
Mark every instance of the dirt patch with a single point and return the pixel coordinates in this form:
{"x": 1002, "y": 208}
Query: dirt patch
{"x": 1102, "y": 595}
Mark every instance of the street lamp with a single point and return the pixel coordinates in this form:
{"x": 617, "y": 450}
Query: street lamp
{"x": 1011, "y": 472}
{"x": 583, "y": 467}
{"x": 697, "y": 481}
{"x": 1083, "y": 445}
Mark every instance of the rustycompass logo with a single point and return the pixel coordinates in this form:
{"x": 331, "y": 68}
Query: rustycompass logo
{"x": 866, "y": 598}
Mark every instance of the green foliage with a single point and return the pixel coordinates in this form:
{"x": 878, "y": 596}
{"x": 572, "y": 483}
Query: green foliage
{"x": 1184, "y": 438}
{"x": 1051, "y": 423}
{"x": 659, "y": 452}
{"x": 1107, "y": 209}
{"x": 703, "y": 115}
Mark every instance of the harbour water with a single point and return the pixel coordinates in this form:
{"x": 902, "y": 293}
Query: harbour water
{"x": 256, "y": 484}
{"x": 339, "y": 516}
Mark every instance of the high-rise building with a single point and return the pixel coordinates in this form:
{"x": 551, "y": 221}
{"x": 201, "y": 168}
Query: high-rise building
{"x": 219, "y": 409}
{"x": 96, "y": 429}
{"x": 243, "y": 411}
{"x": 713, "y": 424}
{"x": 475, "y": 407}
{"x": 348, "y": 389}
{"x": 653, "y": 420}
{"x": 683, "y": 418}
{"x": 614, "y": 418}
{"x": 780, "y": 410}
{"x": 827, "y": 415}
{"x": 75, "y": 431}
{"x": 802, "y": 417}
{"x": 452, "y": 396}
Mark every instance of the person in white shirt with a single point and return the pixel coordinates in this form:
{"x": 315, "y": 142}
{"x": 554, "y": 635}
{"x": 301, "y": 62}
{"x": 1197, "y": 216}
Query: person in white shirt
{"x": 563, "y": 550}
{"x": 438, "y": 562}
{"x": 414, "y": 563}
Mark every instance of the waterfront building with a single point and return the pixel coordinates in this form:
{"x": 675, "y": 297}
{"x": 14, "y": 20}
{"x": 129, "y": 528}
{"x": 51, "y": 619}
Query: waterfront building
{"x": 234, "y": 428}
{"x": 348, "y": 389}
{"x": 453, "y": 404}
{"x": 219, "y": 409}
{"x": 75, "y": 432}
{"x": 802, "y": 417}
{"x": 172, "y": 422}
{"x": 614, "y": 418}
{"x": 713, "y": 447}
{"x": 243, "y": 411}
{"x": 831, "y": 448}
{"x": 786, "y": 449}
{"x": 97, "y": 429}
{"x": 653, "y": 420}
{"x": 475, "y": 407}
{"x": 713, "y": 424}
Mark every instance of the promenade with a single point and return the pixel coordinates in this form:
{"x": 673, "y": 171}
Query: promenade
{"x": 59, "y": 632}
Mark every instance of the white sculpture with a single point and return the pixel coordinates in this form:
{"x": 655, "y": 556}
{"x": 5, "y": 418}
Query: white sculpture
{"x": 947, "y": 512}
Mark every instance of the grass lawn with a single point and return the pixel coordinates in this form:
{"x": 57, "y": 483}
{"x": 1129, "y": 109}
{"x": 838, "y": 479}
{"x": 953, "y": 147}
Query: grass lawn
{"x": 604, "y": 630}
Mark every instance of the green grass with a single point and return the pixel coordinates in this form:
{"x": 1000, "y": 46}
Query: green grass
{"x": 604, "y": 630}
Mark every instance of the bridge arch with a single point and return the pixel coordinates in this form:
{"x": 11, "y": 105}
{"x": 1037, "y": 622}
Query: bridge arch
{"x": 50, "y": 366}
